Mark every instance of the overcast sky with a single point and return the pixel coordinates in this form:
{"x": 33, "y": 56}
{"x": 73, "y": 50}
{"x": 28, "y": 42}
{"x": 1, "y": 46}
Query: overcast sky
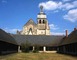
{"x": 61, "y": 14}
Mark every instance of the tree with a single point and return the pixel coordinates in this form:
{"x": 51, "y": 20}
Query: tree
{"x": 36, "y": 50}
{"x": 25, "y": 46}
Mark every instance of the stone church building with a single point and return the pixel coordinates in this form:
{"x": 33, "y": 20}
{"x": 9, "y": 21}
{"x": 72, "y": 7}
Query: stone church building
{"x": 39, "y": 28}
{"x": 38, "y": 34}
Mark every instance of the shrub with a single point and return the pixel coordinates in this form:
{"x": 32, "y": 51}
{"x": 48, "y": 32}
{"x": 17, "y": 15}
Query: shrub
{"x": 25, "y": 47}
{"x": 36, "y": 50}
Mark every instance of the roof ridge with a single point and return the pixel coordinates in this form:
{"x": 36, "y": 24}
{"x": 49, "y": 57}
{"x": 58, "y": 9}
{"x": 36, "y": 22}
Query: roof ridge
{"x": 30, "y": 21}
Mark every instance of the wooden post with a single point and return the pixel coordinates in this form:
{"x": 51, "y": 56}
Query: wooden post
{"x": 33, "y": 48}
{"x": 44, "y": 48}
{"x": 19, "y": 49}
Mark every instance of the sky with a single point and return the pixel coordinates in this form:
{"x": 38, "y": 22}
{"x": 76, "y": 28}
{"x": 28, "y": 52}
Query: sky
{"x": 61, "y": 14}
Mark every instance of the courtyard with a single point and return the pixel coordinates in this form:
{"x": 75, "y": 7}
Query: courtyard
{"x": 37, "y": 56}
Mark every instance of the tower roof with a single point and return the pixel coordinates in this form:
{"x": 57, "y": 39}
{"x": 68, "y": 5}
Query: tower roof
{"x": 41, "y": 11}
{"x": 41, "y": 14}
{"x": 30, "y": 22}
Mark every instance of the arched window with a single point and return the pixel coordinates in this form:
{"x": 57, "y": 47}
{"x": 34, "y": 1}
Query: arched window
{"x": 30, "y": 32}
{"x": 30, "y": 29}
{"x": 43, "y": 21}
{"x": 39, "y": 21}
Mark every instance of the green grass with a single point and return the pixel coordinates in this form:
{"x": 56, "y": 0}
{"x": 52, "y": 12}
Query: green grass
{"x": 37, "y": 56}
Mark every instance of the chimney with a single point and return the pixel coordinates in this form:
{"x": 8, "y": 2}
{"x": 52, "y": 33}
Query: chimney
{"x": 66, "y": 33}
{"x": 75, "y": 29}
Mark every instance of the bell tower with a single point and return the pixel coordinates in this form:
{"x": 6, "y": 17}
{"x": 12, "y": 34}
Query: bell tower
{"x": 41, "y": 17}
{"x": 42, "y": 22}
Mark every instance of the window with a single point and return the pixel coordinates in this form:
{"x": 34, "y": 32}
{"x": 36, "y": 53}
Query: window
{"x": 43, "y": 21}
{"x": 39, "y": 21}
{"x": 30, "y": 29}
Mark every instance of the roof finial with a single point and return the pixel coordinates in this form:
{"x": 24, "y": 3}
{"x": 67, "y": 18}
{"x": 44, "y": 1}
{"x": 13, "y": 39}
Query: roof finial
{"x": 41, "y": 8}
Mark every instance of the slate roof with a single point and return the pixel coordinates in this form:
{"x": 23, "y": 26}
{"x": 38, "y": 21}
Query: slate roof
{"x": 30, "y": 22}
{"x": 42, "y": 40}
{"x": 72, "y": 38}
{"x": 6, "y": 37}
{"x": 41, "y": 14}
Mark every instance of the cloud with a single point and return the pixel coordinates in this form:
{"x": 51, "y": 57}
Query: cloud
{"x": 57, "y": 33}
{"x": 71, "y": 15}
{"x": 56, "y": 6}
{"x": 11, "y": 30}
{"x": 53, "y": 5}
{"x": 4, "y": 1}
{"x": 50, "y": 5}
{"x": 66, "y": 0}
{"x": 68, "y": 6}
{"x": 53, "y": 27}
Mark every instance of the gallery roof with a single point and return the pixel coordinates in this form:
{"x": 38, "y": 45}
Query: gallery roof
{"x": 5, "y": 37}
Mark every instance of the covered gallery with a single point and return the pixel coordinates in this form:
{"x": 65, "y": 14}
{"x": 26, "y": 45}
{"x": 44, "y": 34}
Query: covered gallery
{"x": 45, "y": 42}
{"x": 7, "y": 43}
{"x": 68, "y": 45}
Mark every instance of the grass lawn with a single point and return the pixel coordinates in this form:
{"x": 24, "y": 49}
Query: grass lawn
{"x": 37, "y": 56}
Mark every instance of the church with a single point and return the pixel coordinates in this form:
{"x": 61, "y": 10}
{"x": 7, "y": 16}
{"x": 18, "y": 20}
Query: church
{"x": 38, "y": 34}
{"x": 39, "y": 28}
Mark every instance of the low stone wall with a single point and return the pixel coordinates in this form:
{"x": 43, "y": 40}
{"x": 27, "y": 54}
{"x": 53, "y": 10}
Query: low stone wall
{"x": 48, "y": 51}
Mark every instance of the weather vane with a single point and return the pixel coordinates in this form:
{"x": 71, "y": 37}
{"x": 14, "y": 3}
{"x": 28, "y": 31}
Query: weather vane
{"x": 41, "y": 8}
